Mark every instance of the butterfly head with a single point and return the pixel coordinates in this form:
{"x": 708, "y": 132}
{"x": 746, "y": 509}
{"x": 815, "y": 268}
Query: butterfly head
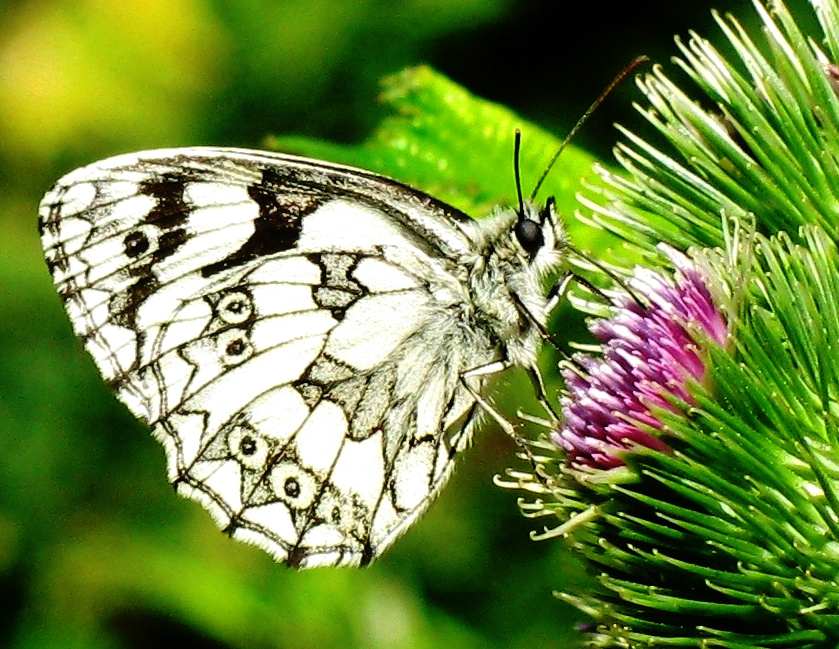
{"x": 540, "y": 234}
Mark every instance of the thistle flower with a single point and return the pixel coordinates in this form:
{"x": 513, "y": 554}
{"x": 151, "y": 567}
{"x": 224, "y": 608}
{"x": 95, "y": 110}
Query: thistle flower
{"x": 727, "y": 537}
{"x": 650, "y": 352}
{"x": 721, "y": 530}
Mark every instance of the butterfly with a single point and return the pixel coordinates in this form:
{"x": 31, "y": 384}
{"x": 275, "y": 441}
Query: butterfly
{"x": 308, "y": 341}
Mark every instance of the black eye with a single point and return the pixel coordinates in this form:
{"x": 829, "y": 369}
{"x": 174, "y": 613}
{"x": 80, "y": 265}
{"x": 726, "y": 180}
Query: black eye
{"x": 135, "y": 243}
{"x": 247, "y": 445}
{"x": 529, "y": 234}
{"x": 291, "y": 487}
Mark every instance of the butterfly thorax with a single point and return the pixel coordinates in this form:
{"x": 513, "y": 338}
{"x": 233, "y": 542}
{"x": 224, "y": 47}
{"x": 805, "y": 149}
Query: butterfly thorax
{"x": 505, "y": 282}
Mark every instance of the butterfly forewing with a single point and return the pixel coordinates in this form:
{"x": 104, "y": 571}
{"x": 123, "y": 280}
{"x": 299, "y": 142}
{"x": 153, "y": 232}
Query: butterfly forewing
{"x": 288, "y": 329}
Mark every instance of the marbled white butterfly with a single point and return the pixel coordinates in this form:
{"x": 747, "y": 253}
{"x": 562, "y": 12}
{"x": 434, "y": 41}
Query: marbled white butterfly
{"x": 306, "y": 340}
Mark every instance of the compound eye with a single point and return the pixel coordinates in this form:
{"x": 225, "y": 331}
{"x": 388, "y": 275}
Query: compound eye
{"x": 529, "y": 235}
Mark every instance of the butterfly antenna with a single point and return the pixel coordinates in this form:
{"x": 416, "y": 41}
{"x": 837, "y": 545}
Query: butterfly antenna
{"x": 516, "y": 152}
{"x": 623, "y": 74}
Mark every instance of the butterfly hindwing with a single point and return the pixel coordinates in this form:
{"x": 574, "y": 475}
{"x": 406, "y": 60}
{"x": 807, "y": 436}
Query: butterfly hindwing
{"x": 323, "y": 397}
{"x": 284, "y": 327}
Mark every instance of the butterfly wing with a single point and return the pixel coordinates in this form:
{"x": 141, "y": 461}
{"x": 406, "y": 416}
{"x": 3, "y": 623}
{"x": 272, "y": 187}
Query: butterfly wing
{"x": 290, "y": 330}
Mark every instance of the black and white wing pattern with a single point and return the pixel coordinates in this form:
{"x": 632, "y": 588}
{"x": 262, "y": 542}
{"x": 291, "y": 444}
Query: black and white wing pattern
{"x": 295, "y": 332}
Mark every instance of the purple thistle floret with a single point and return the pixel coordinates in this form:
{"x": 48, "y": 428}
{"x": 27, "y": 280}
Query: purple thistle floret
{"x": 649, "y": 353}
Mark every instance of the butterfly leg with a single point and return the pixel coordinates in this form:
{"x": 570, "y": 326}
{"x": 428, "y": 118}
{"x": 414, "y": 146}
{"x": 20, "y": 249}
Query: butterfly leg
{"x": 487, "y": 370}
{"x": 558, "y": 290}
{"x": 510, "y": 429}
{"x": 541, "y": 393}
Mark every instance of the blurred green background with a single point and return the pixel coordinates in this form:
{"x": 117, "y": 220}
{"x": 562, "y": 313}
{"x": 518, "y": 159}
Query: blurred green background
{"x": 95, "y": 549}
